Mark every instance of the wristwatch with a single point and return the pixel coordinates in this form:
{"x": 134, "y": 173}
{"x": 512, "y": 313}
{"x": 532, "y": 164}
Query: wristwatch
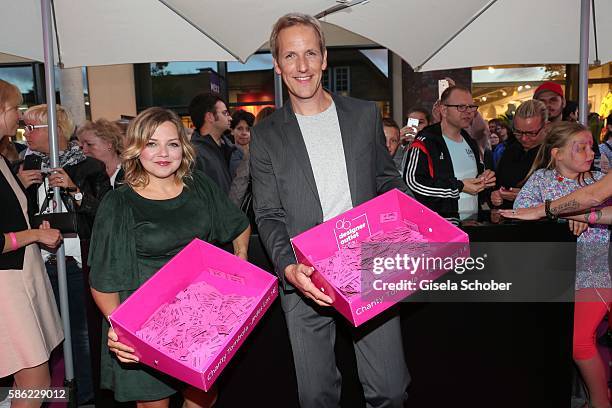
{"x": 78, "y": 196}
{"x": 549, "y": 214}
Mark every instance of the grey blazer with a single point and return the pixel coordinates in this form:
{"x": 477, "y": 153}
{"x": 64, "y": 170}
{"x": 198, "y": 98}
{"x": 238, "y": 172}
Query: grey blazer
{"x": 285, "y": 197}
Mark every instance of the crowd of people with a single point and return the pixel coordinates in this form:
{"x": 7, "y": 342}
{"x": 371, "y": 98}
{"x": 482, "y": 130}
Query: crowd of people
{"x": 280, "y": 173}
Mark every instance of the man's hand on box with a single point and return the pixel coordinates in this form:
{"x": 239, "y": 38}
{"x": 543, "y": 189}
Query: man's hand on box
{"x": 299, "y": 276}
{"x": 123, "y": 352}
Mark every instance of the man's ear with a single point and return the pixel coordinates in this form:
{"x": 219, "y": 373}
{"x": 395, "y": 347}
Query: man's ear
{"x": 276, "y": 67}
{"x": 209, "y": 117}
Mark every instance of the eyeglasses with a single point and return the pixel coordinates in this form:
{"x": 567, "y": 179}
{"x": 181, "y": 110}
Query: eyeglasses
{"x": 528, "y": 133}
{"x": 31, "y": 128}
{"x": 225, "y": 113}
{"x": 464, "y": 108}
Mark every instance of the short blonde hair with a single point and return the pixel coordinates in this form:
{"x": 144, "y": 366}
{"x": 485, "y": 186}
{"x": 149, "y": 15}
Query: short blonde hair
{"x": 290, "y": 20}
{"x": 139, "y": 132}
{"x": 531, "y": 109}
{"x": 106, "y": 130}
{"x": 9, "y": 94}
{"x": 38, "y": 115}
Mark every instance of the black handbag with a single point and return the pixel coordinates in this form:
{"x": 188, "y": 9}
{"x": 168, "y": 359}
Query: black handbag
{"x": 66, "y": 222}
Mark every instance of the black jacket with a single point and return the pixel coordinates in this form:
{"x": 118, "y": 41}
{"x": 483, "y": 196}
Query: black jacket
{"x": 430, "y": 174}
{"x": 213, "y": 160}
{"x": 513, "y": 167}
{"x": 91, "y": 179}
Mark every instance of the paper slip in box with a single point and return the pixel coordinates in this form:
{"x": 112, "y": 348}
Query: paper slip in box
{"x": 197, "y": 262}
{"x": 382, "y": 215}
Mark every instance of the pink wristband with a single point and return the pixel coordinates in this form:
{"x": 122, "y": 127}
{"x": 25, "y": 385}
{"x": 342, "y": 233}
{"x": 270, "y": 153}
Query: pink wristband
{"x": 592, "y": 217}
{"x": 13, "y": 238}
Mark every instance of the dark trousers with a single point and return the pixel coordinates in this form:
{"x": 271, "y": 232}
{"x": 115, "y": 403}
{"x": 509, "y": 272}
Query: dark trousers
{"x": 78, "y": 324}
{"x": 378, "y": 349}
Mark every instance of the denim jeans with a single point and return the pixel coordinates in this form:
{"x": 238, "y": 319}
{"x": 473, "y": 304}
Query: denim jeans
{"x": 78, "y": 325}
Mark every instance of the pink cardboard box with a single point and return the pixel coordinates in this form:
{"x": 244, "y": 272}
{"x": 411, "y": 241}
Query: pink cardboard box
{"x": 383, "y": 213}
{"x": 198, "y": 261}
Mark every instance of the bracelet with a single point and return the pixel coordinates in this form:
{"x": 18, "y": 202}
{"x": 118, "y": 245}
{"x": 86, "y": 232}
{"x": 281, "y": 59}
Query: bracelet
{"x": 592, "y": 217}
{"x": 13, "y": 237}
{"x": 549, "y": 214}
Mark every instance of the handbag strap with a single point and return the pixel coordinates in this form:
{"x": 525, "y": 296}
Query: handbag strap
{"x": 45, "y": 204}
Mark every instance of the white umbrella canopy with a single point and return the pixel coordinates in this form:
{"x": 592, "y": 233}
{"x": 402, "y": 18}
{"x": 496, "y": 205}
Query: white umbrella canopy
{"x": 527, "y": 32}
{"x": 94, "y": 32}
{"x": 442, "y": 34}
{"x": 238, "y": 26}
{"x": 412, "y": 29}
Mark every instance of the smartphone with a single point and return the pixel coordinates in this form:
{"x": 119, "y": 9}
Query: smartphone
{"x": 32, "y": 162}
{"x": 413, "y": 122}
{"x": 442, "y": 86}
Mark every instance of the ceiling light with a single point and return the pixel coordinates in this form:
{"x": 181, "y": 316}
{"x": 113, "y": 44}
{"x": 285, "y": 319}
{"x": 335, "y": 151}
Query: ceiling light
{"x": 504, "y": 93}
{"x": 520, "y": 88}
{"x": 484, "y": 99}
{"x": 491, "y": 69}
{"x": 527, "y": 86}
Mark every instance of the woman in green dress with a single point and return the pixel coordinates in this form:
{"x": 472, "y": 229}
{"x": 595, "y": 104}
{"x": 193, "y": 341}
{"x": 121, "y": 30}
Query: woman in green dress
{"x": 141, "y": 226}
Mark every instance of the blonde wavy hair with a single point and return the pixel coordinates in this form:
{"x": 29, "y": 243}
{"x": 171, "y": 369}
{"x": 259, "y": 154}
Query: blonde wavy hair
{"x": 38, "y": 115}
{"x": 106, "y": 130}
{"x": 139, "y": 133}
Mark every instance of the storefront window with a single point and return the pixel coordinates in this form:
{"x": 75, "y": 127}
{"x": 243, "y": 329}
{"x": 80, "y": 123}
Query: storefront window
{"x": 500, "y": 90}
{"x": 251, "y": 85}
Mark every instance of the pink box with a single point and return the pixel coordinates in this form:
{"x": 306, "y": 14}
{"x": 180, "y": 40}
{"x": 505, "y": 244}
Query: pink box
{"x": 383, "y": 213}
{"x": 229, "y": 274}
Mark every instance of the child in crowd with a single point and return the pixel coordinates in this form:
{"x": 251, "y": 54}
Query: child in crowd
{"x": 562, "y": 166}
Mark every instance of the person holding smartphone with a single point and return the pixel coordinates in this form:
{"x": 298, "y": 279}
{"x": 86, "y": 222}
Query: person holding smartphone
{"x": 83, "y": 182}
{"x": 416, "y": 120}
{"x": 529, "y": 128}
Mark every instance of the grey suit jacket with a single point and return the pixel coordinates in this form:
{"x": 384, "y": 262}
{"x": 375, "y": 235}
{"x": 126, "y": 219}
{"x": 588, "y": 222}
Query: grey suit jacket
{"x": 285, "y": 196}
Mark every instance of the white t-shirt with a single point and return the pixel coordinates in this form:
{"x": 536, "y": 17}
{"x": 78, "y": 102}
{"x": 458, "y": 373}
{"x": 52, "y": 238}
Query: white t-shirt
{"x": 114, "y": 176}
{"x": 323, "y": 142}
{"x": 464, "y": 165}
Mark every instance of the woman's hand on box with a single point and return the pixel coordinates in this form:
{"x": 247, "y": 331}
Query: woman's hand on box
{"x": 123, "y": 352}
{"x": 299, "y": 276}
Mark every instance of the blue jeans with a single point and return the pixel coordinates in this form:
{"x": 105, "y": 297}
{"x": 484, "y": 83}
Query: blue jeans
{"x": 78, "y": 325}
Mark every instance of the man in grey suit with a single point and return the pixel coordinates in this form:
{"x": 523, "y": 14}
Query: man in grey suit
{"x": 315, "y": 158}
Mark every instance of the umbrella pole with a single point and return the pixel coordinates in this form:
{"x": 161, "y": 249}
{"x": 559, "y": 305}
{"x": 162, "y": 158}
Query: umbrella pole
{"x": 583, "y": 69}
{"x": 47, "y": 29}
{"x": 278, "y": 91}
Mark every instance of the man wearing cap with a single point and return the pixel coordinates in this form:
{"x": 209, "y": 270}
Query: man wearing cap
{"x": 551, "y": 94}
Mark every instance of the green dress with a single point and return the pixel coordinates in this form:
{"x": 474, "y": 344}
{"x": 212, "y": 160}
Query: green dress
{"x": 133, "y": 237}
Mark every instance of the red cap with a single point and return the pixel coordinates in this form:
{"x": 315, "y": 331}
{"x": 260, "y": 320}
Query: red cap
{"x": 549, "y": 86}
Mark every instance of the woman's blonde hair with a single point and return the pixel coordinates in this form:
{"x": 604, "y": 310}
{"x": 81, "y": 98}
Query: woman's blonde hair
{"x": 9, "y": 94}
{"x": 106, "y": 130}
{"x": 139, "y": 132}
{"x": 557, "y": 136}
{"x": 38, "y": 115}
